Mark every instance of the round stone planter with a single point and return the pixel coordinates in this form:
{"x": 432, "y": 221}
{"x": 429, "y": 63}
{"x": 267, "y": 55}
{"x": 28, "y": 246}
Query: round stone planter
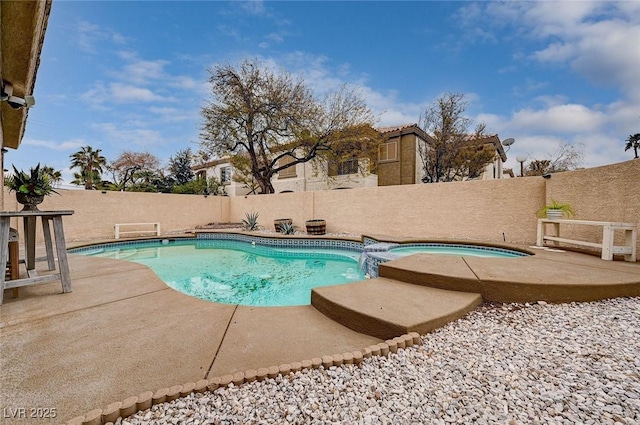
{"x": 30, "y": 202}
{"x": 316, "y": 227}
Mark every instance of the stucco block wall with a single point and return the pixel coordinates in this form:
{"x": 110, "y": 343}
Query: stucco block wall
{"x": 474, "y": 210}
{"x": 608, "y": 193}
{"x": 462, "y": 210}
{"x": 271, "y": 207}
{"x": 96, "y": 213}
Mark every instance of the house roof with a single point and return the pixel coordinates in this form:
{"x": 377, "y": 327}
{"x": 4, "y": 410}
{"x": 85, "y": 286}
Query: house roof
{"x": 492, "y": 139}
{"x": 22, "y": 28}
{"x": 399, "y": 130}
{"x": 210, "y": 164}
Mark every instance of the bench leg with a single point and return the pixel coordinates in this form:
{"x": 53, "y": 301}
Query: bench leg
{"x": 631, "y": 239}
{"x": 607, "y": 243}
{"x": 540, "y": 234}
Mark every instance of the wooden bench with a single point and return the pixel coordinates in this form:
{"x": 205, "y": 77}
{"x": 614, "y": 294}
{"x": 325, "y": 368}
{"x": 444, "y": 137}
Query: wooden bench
{"x": 118, "y": 232}
{"x": 608, "y": 233}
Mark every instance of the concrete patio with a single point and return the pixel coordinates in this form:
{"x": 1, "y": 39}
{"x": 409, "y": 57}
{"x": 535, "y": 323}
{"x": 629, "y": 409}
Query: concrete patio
{"x": 122, "y": 331}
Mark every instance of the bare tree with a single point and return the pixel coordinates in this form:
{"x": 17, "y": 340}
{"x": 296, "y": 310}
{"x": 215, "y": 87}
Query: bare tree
{"x": 566, "y": 157}
{"x": 268, "y": 122}
{"x": 126, "y": 168}
{"x": 453, "y": 152}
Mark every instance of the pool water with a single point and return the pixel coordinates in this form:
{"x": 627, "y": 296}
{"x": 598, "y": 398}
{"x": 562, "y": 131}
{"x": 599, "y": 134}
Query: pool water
{"x": 459, "y": 250}
{"x": 234, "y": 272}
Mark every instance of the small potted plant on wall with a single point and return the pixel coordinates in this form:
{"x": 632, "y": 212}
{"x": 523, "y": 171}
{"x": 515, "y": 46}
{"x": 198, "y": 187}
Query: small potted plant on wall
{"x": 30, "y": 188}
{"x": 556, "y": 210}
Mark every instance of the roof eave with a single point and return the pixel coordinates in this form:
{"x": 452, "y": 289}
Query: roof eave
{"x": 22, "y": 29}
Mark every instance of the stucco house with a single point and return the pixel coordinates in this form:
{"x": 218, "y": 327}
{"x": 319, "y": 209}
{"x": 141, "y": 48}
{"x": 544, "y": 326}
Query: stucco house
{"x": 399, "y": 162}
{"x": 22, "y": 28}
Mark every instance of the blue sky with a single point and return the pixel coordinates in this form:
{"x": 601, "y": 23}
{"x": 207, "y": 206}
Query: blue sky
{"x": 120, "y": 75}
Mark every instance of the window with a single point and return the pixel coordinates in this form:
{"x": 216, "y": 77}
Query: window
{"x": 287, "y": 172}
{"x": 388, "y": 151}
{"x": 343, "y": 168}
{"x": 225, "y": 174}
{"x": 348, "y": 167}
{"x": 201, "y": 174}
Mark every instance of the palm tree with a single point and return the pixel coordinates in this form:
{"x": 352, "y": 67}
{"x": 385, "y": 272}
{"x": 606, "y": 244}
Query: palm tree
{"x": 633, "y": 142}
{"x": 90, "y": 163}
{"x": 55, "y": 176}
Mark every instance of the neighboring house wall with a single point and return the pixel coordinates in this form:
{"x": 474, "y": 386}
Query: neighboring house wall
{"x": 222, "y": 170}
{"x": 399, "y": 163}
{"x": 399, "y": 159}
{"x": 311, "y": 176}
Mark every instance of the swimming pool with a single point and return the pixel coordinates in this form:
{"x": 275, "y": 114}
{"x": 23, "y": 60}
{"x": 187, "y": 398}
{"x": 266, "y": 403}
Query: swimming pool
{"x": 455, "y": 249}
{"x": 237, "y": 271}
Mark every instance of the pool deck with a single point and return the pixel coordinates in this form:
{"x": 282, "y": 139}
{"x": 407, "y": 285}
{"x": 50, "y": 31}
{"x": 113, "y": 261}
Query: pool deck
{"x": 122, "y": 331}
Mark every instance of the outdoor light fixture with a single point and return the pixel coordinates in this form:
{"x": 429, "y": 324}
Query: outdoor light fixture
{"x": 546, "y": 176}
{"x": 6, "y": 94}
{"x": 521, "y": 159}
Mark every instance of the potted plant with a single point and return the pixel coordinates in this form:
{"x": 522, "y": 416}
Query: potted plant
{"x": 316, "y": 227}
{"x": 278, "y": 222}
{"x": 30, "y": 188}
{"x": 556, "y": 210}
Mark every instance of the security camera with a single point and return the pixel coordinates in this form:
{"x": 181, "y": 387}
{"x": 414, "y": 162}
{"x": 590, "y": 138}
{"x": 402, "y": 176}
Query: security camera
{"x": 29, "y": 101}
{"x": 18, "y": 102}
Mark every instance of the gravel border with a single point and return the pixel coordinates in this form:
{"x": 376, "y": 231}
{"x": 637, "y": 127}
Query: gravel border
{"x": 502, "y": 363}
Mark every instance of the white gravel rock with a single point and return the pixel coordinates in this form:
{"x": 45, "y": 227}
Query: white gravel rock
{"x": 503, "y": 363}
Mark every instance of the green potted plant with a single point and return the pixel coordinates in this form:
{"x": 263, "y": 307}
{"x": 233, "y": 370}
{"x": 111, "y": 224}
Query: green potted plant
{"x": 30, "y": 188}
{"x": 556, "y": 210}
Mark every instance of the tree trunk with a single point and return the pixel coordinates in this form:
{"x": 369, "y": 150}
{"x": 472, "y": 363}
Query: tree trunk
{"x": 265, "y": 184}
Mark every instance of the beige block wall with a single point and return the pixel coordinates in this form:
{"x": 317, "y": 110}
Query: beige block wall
{"x": 96, "y": 213}
{"x": 608, "y": 193}
{"x": 459, "y": 210}
{"x": 473, "y": 210}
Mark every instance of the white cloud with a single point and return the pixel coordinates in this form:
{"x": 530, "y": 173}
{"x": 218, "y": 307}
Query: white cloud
{"x": 66, "y": 145}
{"x": 125, "y": 93}
{"x": 102, "y": 95}
{"x": 142, "y": 71}
{"x": 569, "y": 118}
{"x": 129, "y": 138}
{"x": 167, "y": 114}
{"x": 89, "y": 35}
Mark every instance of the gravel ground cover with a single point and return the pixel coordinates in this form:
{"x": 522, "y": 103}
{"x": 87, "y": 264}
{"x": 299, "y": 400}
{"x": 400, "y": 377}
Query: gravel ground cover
{"x": 537, "y": 363}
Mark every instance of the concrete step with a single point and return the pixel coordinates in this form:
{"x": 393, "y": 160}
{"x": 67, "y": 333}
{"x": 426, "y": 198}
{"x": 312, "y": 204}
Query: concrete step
{"x": 386, "y": 308}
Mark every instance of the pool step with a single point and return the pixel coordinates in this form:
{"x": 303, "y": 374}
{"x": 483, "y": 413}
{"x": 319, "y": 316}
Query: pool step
{"x": 386, "y": 308}
{"x": 437, "y": 271}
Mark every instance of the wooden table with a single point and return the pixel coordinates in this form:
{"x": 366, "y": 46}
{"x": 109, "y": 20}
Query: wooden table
{"x": 29, "y": 219}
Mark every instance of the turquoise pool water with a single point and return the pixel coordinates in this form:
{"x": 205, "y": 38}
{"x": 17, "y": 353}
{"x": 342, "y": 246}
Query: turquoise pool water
{"x": 459, "y": 250}
{"x": 234, "y": 272}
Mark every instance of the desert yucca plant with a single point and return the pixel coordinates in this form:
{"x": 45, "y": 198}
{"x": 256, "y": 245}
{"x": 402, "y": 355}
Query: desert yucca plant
{"x": 287, "y": 228}
{"x": 250, "y": 222}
